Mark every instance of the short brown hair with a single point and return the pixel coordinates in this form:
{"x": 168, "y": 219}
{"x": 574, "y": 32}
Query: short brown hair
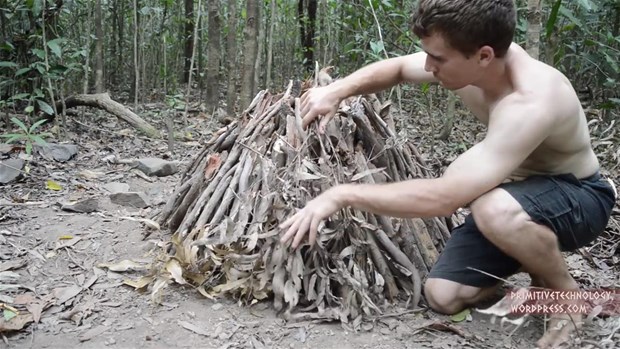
{"x": 468, "y": 25}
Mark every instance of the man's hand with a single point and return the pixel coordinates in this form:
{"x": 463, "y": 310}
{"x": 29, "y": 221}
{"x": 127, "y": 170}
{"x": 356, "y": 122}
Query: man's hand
{"x": 307, "y": 219}
{"x": 319, "y": 101}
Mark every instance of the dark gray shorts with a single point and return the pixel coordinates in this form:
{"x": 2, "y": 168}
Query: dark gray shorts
{"x": 576, "y": 210}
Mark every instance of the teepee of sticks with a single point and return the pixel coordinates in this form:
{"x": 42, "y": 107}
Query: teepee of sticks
{"x": 256, "y": 171}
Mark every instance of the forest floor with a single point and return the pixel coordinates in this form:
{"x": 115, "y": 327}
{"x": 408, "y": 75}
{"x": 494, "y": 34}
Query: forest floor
{"x": 55, "y": 259}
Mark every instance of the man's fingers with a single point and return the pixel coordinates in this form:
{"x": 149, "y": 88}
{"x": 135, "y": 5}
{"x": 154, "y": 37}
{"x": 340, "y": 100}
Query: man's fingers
{"x": 324, "y": 121}
{"x": 314, "y": 225}
{"x": 292, "y": 224}
{"x": 302, "y": 229}
{"x": 308, "y": 118}
{"x": 287, "y": 223}
{"x": 304, "y": 106}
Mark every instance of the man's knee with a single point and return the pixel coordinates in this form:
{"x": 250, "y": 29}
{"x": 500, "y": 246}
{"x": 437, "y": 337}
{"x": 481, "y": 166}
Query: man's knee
{"x": 449, "y": 297}
{"x": 443, "y": 296}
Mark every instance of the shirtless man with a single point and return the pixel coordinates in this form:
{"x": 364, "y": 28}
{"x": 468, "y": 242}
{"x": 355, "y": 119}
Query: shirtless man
{"x": 533, "y": 184}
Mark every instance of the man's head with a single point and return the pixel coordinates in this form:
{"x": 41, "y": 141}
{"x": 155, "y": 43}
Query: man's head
{"x": 467, "y": 25}
{"x": 461, "y": 36}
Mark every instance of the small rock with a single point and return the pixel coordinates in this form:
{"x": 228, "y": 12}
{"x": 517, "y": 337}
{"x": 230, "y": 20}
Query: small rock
{"x": 10, "y": 170}
{"x": 116, "y": 187}
{"x": 110, "y": 341}
{"x": 131, "y": 199}
{"x": 58, "y": 152}
{"x": 83, "y": 206}
{"x": 217, "y": 306}
{"x": 5, "y": 148}
{"x": 156, "y": 167}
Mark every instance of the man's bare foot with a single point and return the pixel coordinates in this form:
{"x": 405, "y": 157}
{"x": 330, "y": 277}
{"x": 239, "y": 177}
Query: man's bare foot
{"x": 559, "y": 330}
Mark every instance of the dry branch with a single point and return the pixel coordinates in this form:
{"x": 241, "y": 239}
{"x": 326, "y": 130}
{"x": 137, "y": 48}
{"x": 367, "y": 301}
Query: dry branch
{"x": 256, "y": 171}
{"x": 104, "y": 102}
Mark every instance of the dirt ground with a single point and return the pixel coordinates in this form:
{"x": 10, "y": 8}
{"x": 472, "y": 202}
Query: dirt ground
{"x": 56, "y": 256}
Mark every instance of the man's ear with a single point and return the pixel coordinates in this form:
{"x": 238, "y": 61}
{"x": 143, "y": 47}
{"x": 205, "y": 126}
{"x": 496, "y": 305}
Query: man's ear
{"x": 486, "y": 54}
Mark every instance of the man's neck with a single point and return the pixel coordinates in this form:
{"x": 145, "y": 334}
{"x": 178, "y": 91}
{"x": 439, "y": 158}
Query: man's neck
{"x": 496, "y": 81}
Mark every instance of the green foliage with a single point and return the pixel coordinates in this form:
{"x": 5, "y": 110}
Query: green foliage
{"x": 582, "y": 40}
{"x": 28, "y": 134}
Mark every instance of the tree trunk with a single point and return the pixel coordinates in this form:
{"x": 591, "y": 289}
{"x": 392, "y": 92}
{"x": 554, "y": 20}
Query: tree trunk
{"x": 533, "y": 28}
{"x": 188, "y": 37}
{"x": 213, "y": 56}
{"x": 121, "y": 37}
{"x": 86, "y": 81}
{"x": 307, "y": 27}
{"x": 113, "y": 35}
{"x": 259, "y": 49}
{"x": 250, "y": 45}
{"x": 255, "y": 172}
{"x": 103, "y": 101}
{"x": 136, "y": 55}
{"x": 272, "y": 24}
{"x": 231, "y": 56}
{"x": 98, "y": 48}
{"x": 191, "y": 63}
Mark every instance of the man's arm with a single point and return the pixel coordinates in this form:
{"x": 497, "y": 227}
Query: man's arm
{"x": 370, "y": 79}
{"x": 384, "y": 74}
{"x": 516, "y": 129}
{"x": 511, "y": 137}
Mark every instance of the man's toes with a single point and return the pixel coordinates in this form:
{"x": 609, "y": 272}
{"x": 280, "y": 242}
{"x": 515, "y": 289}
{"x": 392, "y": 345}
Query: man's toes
{"x": 545, "y": 341}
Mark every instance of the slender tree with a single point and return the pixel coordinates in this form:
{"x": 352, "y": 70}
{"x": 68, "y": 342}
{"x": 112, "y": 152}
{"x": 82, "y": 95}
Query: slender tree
{"x": 99, "y": 39}
{"x": 259, "y": 49}
{"x": 533, "y": 28}
{"x": 306, "y": 12}
{"x": 188, "y": 38}
{"x": 213, "y": 55}
{"x": 231, "y": 43}
{"x": 272, "y": 23}
{"x": 250, "y": 47}
{"x": 136, "y": 53}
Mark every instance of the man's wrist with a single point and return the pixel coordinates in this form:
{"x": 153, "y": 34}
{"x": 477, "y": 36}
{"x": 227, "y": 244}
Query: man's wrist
{"x": 342, "y": 89}
{"x": 344, "y": 195}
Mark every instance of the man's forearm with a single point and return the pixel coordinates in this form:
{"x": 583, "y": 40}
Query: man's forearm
{"x": 370, "y": 79}
{"x": 413, "y": 198}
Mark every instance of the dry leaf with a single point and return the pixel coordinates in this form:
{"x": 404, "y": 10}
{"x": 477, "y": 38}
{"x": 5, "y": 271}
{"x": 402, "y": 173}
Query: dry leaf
{"x": 213, "y": 164}
{"x": 188, "y": 326}
{"x": 90, "y": 282}
{"x": 12, "y": 265}
{"x": 66, "y": 293}
{"x": 92, "y": 333}
{"x": 23, "y": 299}
{"x": 140, "y": 283}
{"x": 366, "y": 173}
{"x": 51, "y": 185}
{"x": 16, "y": 323}
{"x": 35, "y": 308}
{"x": 88, "y": 174}
{"x": 67, "y": 243}
{"x": 158, "y": 289}
{"x": 174, "y": 268}
{"x": 125, "y": 265}
{"x": 148, "y": 222}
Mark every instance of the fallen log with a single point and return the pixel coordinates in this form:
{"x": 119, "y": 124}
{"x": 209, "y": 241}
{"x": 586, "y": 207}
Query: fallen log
{"x": 104, "y": 102}
{"x": 255, "y": 172}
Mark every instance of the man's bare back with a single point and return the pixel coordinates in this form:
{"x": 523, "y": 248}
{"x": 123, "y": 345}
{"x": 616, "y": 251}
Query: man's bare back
{"x": 567, "y": 148}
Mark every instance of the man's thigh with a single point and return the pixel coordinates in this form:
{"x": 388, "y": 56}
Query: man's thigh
{"x": 469, "y": 258}
{"x": 577, "y": 211}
